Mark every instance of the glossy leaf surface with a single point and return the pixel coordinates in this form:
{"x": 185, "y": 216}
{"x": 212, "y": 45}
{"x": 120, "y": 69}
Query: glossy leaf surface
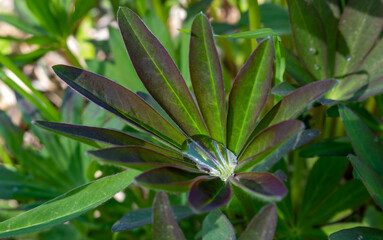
{"x": 165, "y": 226}
{"x": 209, "y": 193}
{"x": 267, "y": 141}
{"x": 358, "y": 233}
{"x": 159, "y": 73}
{"x": 119, "y": 101}
{"x": 67, "y": 206}
{"x": 366, "y": 145}
{"x": 263, "y": 225}
{"x": 217, "y": 226}
{"x": 206, "y": 77}
{"x": 309, "y": 37}
{"x": 137, "y": 157}
{"x": 249, "y": 94}
{"x": 144, "y": 216}
{"x": 171, "y": 179}
{"x": 262, "y": 185}
{"x": 372, "y": 180}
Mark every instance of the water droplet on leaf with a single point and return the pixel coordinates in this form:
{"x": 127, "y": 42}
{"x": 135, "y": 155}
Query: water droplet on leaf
{"x": 316, "y": 67}
{"x": 210, "y": 156}
{"x": 312, "y": 51}
{"x": 348, "y": 58}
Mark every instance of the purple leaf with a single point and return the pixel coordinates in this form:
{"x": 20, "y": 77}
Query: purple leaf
{"x": 159, "y": 73}
{"x": 207, "y": 194}
{"x": 262, "y": 185}
{"x": 173, "y": 179}
{"x": 119, "y": 101}
{"x": 206, "y": 77}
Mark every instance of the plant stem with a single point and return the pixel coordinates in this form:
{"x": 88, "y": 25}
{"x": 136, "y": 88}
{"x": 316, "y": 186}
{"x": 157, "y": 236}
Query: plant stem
{"x": 71, "y": 57}
{"x": 254, "y": 19}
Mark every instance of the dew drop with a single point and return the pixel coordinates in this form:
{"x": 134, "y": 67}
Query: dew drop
{"x": 360, "y": 237}
{"x": 316, "y": 67}
{"x": 312, "y": 51}
{"x": 348, "y": 58}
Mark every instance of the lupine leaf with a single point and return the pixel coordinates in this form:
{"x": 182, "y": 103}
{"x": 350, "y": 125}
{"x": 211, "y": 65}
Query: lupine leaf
{"x": 262, "y": 185}
{"x": 118, "y": 100}
{"x": 173, "y": 179}
{"x": 165, "y": 226}
{"x": 143, "y": 216}
{"x": 206, "y": 77}
{"x": 266, "y": 141}
{"x": 101, "y": 137}
{"x": 137, "y": 157}
{"x": 263, "y": 225}
{"x": 67, "y": 206}
{"x": 372, "y": 180}
{"x": 309, "y": 37}
{"x": 209, "y": 193}
{"x": 359, "y": 28}
{"x": 291, "y": 105}
{"x": 328, "y": 147}
{"x": 366, "y": 145}
{"x": 159, "y": 73}
{"x": 358, "y": 233}
{"x": 217, "y": 226}
{"x": 249, "y": 94}
{"x": 296, "y": 69}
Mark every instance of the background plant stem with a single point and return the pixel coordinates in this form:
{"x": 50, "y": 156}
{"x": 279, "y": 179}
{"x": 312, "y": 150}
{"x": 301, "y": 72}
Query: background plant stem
{"x": 254, "y": 19}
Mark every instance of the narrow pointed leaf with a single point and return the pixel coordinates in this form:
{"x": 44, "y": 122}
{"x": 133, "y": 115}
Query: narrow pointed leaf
{"x": 249, "y": 94}
{"x": 372, "y": 180}
{"x": 165, "y": 226}
{"x": 291, "y": 105}
{"x": 173, "y": 179}
{"x": 297, "y": 70}
{"x": 263, "y": 225}
{"x": 119, "y": 101}
{"x": 206, "y": 77}
{"x": 159, "y": 73}
{"x": 101, "y": 137}
{"x": 359, "y": 28}
{"x": 144, "y": 216}
{"x": 67, "y": 206}
{"x": 310, "y": 37}
{"x": 217, "y": 226}
{"x": 267, "y": 141}
{"x": 365, "y": 143}
{"x": 207, "y": 194}
{"x": 262, "y": 185}
{"x": 137, "y": 157}
{"x": 358, "y": 233}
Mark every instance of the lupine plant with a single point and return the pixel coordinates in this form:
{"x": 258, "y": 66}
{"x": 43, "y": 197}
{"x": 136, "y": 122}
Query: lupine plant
{"x": 198, "y": 142}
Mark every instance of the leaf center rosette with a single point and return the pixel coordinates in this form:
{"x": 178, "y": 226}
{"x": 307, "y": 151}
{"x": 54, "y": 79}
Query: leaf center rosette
{"x": 210, "y": 156}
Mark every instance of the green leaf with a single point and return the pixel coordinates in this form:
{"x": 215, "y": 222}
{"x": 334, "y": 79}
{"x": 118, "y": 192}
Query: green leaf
{"x": 159, "y": 73}
{"x": 253, "y": 34}
{"x": 267, "y": 141}
{"x": 207, "y": 79}
{"x": 372, "y": 180}
{"x": 249, "y": 94}
{"x": 119, "y": 101}
{"x": 359, "y": 28}
{"x": 101, "y": 137}
{"x": 43, "y": 13}
{"x": 328, "y": 147}
{"x": 322, "y": 182}
{"x": 276, "y": 17}
{"x": 144, "y": 216}
{"x": 137, "y": 157}
{"x": 295, "y": 68}
{"x": 67, "y": 206}
{"x": 19, "y": 24}
{"x": 365, "y": 143}
{"x": 217, "y": 226}
{"x": 12, "y": 135}
{"x": 263, "y": 225}
{"x": 358, "y": 233}
{"x": 165, "y": 226}
{"x": 310, "y": 37}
